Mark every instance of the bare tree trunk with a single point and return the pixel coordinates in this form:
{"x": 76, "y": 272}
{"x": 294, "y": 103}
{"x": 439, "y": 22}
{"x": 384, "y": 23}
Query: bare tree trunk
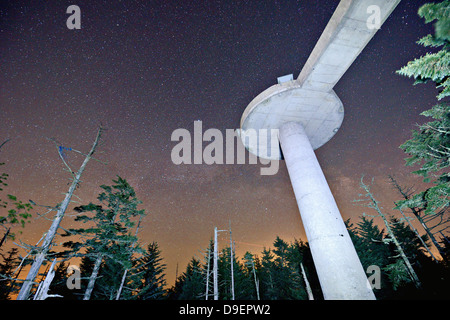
{"x": 42, "y": 291}
{"x": 418, "y": 236}
{"x": 308, "y": 287}
{"x": 121, "y": 284}
{"x": 92, "y": 278}
{"x": 374, "y": 205}
{"x": 416, "y": 213}
{"x": 215, "y": 267}
{"x": 4, "y": 236}
{"x": 207, "y": 272}
{"x": 256, "y": 280}
{"x": 231, "y": 263}
{"x": 45, "y": 247}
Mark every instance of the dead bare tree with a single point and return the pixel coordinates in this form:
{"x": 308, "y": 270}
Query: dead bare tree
{"x": 44, "y": 286}
{"x": 417, "y": 212}
{"x": 373, "y": 203}
{"x": 231, "y": 264}
{"x": 308, "y": 287}
{"x": 50, "y": 235}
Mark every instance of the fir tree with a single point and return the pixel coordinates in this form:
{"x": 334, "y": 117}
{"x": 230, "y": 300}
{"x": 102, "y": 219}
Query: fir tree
{"x": 396, "y": 269}
{"x": 286, "y": 276}
{"x": 433, "y": 66}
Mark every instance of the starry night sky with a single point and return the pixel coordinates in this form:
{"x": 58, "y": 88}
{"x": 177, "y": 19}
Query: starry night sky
{"x": 145, "y": 68}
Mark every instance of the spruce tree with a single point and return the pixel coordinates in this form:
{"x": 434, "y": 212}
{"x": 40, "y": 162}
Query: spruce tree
{"x": 7, "y": 285}
{"x": 287, "y": 277}
{"x": 268, "y": 289}
{"x": 242, "y": 283}
{"x": 147, "y": 276}
{"x": 251, "y": 270}
{"x": 281, "y": 277}
{"x": 430, "y": 144}
{"x": 373, "y": 250}
{"x": 108, "y": 241}
{"x": 193, "y": 287}
{"x": 301, "y": 256}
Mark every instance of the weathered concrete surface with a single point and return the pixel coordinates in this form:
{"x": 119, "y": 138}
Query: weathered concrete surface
{"x": 307, "y": 113}
{"x": 320, "y": 113}
{"x": 340, "y": 272}
{"x": 343, "y": 39}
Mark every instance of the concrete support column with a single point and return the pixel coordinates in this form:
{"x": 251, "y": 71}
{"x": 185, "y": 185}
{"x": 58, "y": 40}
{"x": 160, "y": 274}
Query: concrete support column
{"x": 340, "y": 272}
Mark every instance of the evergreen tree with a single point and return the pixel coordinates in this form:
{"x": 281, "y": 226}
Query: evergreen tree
{"x": 251, "y": 265}
{"x": 280, "y": 275}
{"x": 301, "y": 254}
{"x": 286, "y": 274}
{"x": 399, "y": 271}
{"x": 192, "y": 282}
{"x": 109, "y": 240}
{"x": 267, "y": 285}
{"x": 430, "y": 144}
{"x": 110, "y": 276}
{"x": 435, "y": 279}
{"x": 372, "y": 250}
{"x": 174, "y": 292}
{"x": 16, "y": 212}
{"x": 412, "y": 246}
{"x": 148, "y": 278}
{"x": 242, "y": 283}
{"x": 7, "y": 268}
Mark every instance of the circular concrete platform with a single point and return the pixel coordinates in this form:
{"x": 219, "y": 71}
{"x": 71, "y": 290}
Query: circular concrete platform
{"x": 320, "y": 113}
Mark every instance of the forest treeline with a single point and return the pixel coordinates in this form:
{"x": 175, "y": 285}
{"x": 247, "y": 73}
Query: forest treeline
{"x": 283, "y": 272}
{"x": 115, "y": 265}
{"x": 286, "y": 270}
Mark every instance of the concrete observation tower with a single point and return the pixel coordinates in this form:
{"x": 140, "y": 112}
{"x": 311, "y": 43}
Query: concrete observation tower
{"x": 308, "y": 113}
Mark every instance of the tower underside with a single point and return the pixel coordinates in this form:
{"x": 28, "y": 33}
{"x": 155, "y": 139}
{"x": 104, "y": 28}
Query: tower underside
{"x": 307, "y": 113}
